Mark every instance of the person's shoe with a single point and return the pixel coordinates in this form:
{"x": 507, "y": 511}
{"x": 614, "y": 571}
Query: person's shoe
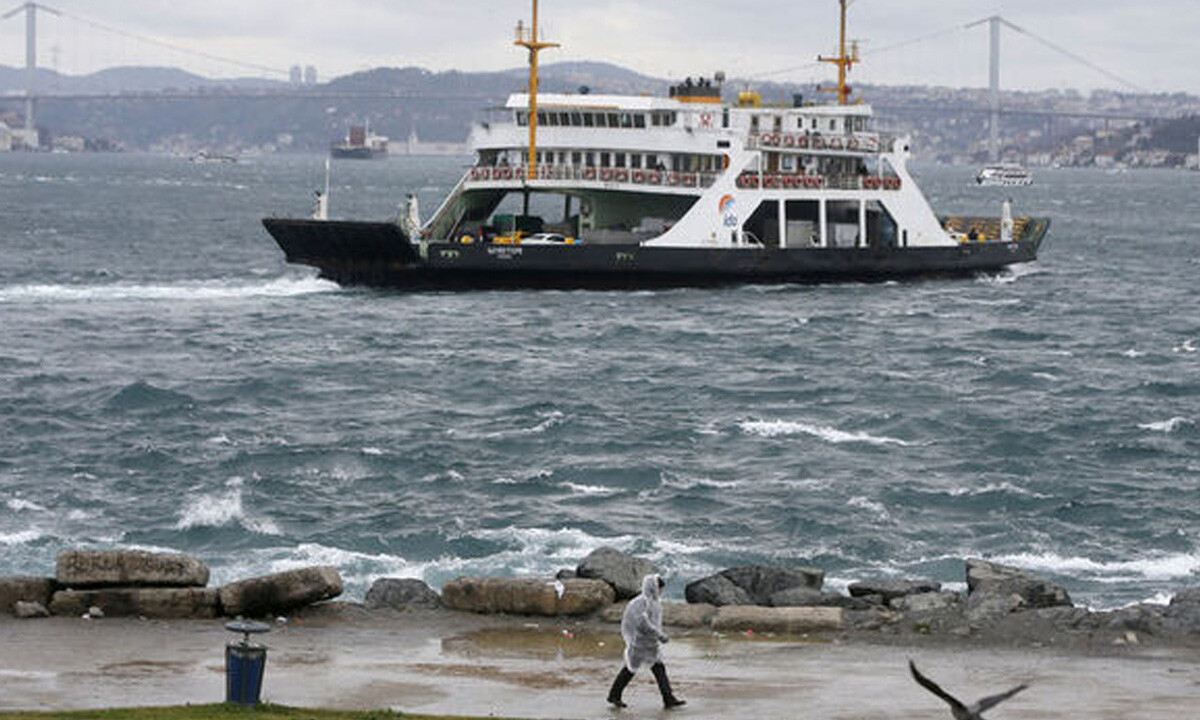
{"x": 673, "y": 702}
{"x": 616, "y": 702}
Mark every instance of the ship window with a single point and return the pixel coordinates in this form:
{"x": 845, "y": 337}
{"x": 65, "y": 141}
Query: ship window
{"x": 589, "y": 120}
{"x": 576, "y": 158}
{"x": 639, "y": 120}
{"x": 576, "y": 119}
{"x": 564, "y": 119}
{"x": 725, "y": 117}
{"x": 814, "y": 123}
{"x": 787, "y": 163}
{"x": 635, "y": 161}
{"x": 552, "y": 118}
{"x": 619, "y": 160}
{"x": 614, "y": 120}
{"x": 522, "y": 119}
{"x": 832, "y": 125}
{"x": 591, "y": 159}
{"x": 605, "y": 160}
{"x": 626, "y": 120}
{"x": 799, "y": 123}
{"x": 778, "y": 124}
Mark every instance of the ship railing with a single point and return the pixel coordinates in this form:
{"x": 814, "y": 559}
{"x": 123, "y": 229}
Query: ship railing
{"x": 854, "y": 142}
{"x": 983, "y": 229}
{"x": 600, "y": 176}
{"x": 752, "y": 180}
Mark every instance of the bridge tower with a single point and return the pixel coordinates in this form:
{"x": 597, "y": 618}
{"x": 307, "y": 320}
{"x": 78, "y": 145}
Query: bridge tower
{"x": 30, "y": 9}
{"x": 994, "y": 22}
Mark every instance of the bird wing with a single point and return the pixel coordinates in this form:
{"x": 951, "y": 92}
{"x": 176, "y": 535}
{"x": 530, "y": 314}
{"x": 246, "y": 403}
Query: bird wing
{"x": 993, "y": 700}
{"x": 932, "y": 687}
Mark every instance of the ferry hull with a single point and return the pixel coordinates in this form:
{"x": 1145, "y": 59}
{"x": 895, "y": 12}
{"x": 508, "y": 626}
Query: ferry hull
{"x": 380, "y": 255}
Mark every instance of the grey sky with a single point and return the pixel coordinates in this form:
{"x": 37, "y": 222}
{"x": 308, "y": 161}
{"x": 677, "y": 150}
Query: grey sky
{"x": 1150, "y": 44}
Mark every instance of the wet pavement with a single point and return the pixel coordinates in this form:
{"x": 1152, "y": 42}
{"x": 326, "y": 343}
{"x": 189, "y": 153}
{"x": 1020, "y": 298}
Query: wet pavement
{"x": 447, "y": 663}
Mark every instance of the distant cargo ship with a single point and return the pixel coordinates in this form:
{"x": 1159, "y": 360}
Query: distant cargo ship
{"x": 360, "y": 144}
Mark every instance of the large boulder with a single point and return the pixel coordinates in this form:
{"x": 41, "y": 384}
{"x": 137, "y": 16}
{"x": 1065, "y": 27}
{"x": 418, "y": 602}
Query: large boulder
{"x": 527, "y": 596}
{"x": 991, "y": 580}
{"x": 281, "y": 592}
{"x": 891, "y": 589}
{"x": 782, "y": 620}
{"x": 24, "y": 589}
{"x": 400, "y": 593}
{"x": 621, "y": 570}
{"x": 164, "y": 603}
{"x": 29, "y": 610}
{"x": 751, "y": 584}
{"x": 716, "y": 590}
{"x": 128, "y": 568}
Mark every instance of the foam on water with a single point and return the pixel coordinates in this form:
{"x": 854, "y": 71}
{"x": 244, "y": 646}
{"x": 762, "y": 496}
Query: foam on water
{"x": 220, "y": 509}
{"x": 775, "y": 428}
{"x": 19, "y": 504}
{"x": 1167, "y": 567}
{"x": 1167, "y": 426}
{"x": 188, "y": 291}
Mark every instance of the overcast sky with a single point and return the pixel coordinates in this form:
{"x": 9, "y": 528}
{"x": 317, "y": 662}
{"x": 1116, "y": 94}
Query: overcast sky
{"x": 1150, "y": 44}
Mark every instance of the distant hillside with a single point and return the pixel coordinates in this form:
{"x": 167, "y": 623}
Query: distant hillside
{"x": 442, "y": 106}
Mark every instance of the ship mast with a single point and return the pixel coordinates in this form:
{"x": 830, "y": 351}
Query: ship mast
{"x": 843, "y": 60}
{"x": 534, "y": 46}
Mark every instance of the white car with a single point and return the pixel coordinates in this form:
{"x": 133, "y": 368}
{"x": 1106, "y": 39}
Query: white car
{"x": 549, "y": 239}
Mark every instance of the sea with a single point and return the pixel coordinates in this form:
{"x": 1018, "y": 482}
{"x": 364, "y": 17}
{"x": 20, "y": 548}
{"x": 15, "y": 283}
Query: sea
{"x": 169, "y": 383}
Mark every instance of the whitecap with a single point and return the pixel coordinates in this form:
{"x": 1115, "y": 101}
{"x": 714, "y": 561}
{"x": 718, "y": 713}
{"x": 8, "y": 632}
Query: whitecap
{"x": 1165, "y": 567}
{"x": 1133, "y": 353}
{"x": 22, "y": 537}
{"x": 774, "y": 428}
{"x": 581, "y": 489}
{"x": 221, "y": 509}
{"x": 372, "y": 451}
{"x": 19, "y": 504}
{"x": 1187, "y": 346}
{"x": 861, "y": 501}
{"x": 1166, "y": 426}
{"x": 189, "y": 291}
{"x": 1000, "y": 487}
{"x": 220, "y": 440}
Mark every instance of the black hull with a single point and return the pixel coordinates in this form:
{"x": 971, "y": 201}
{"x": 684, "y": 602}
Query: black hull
{"x": 380, "y": 255}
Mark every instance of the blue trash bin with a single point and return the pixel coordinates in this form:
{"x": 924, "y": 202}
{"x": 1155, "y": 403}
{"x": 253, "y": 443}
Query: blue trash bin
{"x": 245, "y": 664}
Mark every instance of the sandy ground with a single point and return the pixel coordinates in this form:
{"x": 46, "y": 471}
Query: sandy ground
{"x": 537, "y": 668}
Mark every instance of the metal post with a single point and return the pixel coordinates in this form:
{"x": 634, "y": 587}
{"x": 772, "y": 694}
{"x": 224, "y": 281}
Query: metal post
{"x": 994, "y": 85}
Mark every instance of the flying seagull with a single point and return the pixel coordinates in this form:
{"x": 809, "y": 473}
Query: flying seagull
{"x": 957, "y": 709}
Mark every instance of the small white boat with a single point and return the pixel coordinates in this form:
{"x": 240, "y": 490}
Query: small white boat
{"x": 1004, "y": 174}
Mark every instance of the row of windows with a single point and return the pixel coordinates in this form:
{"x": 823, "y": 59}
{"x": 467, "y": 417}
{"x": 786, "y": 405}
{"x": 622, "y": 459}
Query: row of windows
{"x": 673, "y": 162}
{"x": 579, "y": 118}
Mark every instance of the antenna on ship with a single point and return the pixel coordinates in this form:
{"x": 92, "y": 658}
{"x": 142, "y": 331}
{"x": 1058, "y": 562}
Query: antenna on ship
{"x": 531, "y": 42}
{"x": 843, "y": 60}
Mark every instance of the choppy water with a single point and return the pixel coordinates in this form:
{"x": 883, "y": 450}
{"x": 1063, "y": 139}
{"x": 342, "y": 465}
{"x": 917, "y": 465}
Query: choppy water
{"x": 167, "y": 382}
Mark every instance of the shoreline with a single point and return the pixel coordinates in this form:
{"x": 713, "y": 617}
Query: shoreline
{"x": 343, "y": 655}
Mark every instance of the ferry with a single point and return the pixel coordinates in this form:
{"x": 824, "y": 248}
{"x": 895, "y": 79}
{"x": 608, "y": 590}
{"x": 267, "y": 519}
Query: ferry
{"x": 588, "y": 190}
{"x": 1004, "y": 175}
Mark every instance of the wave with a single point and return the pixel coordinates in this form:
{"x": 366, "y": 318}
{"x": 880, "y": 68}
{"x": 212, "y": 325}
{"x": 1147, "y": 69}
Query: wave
{"x": 1167, "y": 426}
{"x": 22, "y": 537}
{"x": 774, "y": 428}
{"x": 19, "y": 504}
{"x": 188, "y": 291}
{"x": 1187, "y": 346}
{"x": 1166, "y": 567}
{"x": 221, "y": 509}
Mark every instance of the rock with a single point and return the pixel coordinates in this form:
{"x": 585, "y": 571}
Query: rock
{"x": 527, "y": 596}
{"x": 751, "y": 585}
{"x": 761, "y": 582}
{"x": 925, "y": 602}
{"x": 622, "y": 571}
{"x": 24, "y": 589}
{"x": 27, "y": 610}
{"x": 984, "y": 607}
{"x": 783, "y": 620}
{"x": 675, "y": 614}
{"x": 128, "y": 568}
{"x": 400, "y": 593}
{"x": 798, "y": 597}
{"x": 688, "y": 615}
{"x": 1187, "y": 596}
{"x": 891, "y": 589}
{"x": 992, "y": 579}
{"x": 164, "y": 603}
{"x": 716, "y": 590}
{"x": 281, "y": 592}
{"x": 1145, "y": 619}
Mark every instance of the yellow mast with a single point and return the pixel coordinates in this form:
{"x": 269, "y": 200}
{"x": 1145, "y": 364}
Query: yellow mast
{"x": 844, "y": 61}
{"x": 534, "y": 47}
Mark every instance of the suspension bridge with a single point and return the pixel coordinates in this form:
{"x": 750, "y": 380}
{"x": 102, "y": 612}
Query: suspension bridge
{"x": 32, "y": 95}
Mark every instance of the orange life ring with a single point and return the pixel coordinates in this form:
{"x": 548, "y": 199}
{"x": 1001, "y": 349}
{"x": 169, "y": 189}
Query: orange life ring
{"x": 789, "y": 140}
{"x": 802, "y": 141}
{"x": 589, "y": 173}
{"x": 818, "y": 142}
{"x": 673, "y": 179}
{"x": 638, "y": 176}
{"x": 870, "y": 182}
{"x": 835, "y": 143}
{"x": 621, "y": 175}
{"x": 852, "y": 143}
{"x": 606, "y": 174}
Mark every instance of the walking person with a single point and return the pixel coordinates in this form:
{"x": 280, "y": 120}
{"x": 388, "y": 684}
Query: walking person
{"x": 641, "y": 626}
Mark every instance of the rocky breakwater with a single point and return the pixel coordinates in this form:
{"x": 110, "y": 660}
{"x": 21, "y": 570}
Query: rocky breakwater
{"x": 135, "y": 583}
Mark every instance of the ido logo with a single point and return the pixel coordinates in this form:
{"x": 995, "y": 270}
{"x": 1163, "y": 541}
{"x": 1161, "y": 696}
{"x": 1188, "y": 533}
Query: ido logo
{"x": 728, "y": 210}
